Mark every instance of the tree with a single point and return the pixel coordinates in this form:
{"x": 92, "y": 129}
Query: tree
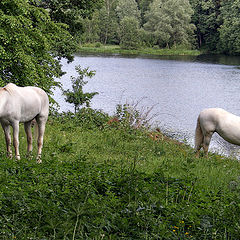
{"x": 127, "y": 8}
{"x": 129, "y": 31}
{"x": 71, "y": 12}
{"x": 143, "y": 6}
{"x": 77, "y": 96}
{"x": 109, "y": 26}
{"x": 129, "y": 19}
{"x": 91, "y": 29}
{"x": 31, "y": 45}
{"x": 230, "y": 29}
{"x": 207, "y": 21}
{"x": 170, "y": 21}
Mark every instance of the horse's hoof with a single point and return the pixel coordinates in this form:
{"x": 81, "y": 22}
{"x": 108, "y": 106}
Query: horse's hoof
{"x": 39, "y": 160}
{"x": 29, "y": 155}
{"x": 9, "y": 155}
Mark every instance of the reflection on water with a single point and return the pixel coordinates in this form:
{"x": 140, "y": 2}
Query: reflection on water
{"x": 219, "y": 59}
{"x": 178, "y": 88}
{"x": 204, "y": 58}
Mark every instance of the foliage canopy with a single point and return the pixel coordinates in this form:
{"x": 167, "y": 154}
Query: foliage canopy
{"x": 170, "y": 21}
{"x": 127, "y": 8}
{"x": 31, "y": 45}
{"x": 129, "y": 30}
{"x": 230, "y": 29}
{"x": 71, "y": 12}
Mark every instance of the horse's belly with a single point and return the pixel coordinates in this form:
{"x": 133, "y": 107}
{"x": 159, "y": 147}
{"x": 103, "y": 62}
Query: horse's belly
{"x": 25, "y": 109}
{"x": 231, "y": 136}
{"x": 29, "y": 113}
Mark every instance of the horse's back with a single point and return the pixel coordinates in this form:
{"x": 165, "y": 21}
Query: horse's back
{"x": 42, "y": 97}
{"x": 219, "y": 115}
{"x": 25, "y": 103}
{"x": 36, "y": 99}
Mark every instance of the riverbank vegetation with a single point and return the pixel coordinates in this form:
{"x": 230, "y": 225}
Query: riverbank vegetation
{"x": 103, "y": 179}
{"x": 117, "y": 50}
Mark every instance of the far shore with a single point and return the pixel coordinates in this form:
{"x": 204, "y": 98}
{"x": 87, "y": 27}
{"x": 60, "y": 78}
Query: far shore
{"x": 116, "y": 49}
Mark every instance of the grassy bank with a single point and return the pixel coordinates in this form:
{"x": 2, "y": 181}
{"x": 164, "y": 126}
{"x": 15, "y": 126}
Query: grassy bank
{"x": 110, "y": 181}
{"x": 115, "y": 49}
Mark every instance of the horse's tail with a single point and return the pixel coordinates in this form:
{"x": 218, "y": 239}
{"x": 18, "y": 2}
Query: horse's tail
{"x": 198, "y": 136}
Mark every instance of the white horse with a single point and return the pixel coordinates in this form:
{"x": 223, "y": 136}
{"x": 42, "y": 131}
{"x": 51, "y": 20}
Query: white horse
{"x": 23, "y": 104}
{"x": 217, "y": 120}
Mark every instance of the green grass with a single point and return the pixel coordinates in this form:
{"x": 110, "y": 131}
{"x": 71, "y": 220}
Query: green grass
{"x": 100, "y": 181}
{"x": 115, "y": 49}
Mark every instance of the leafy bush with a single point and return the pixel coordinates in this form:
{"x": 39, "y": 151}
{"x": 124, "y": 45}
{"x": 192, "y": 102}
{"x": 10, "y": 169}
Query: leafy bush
{"x": 98, "y": 45}
{"x": 87, "y": 118}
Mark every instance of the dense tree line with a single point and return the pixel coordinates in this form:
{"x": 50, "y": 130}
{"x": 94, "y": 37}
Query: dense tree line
{"x": 209, "y": 24}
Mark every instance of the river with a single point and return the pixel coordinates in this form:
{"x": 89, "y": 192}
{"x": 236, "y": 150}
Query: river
{"x": 177, "y": 88}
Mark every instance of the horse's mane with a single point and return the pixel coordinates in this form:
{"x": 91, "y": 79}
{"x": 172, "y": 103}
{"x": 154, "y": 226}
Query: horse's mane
{"x": 10, "y": 88}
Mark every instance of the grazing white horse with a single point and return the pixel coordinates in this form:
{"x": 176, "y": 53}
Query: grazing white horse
{"x": 217, "y": 120}
{"x": 23, "y": 104}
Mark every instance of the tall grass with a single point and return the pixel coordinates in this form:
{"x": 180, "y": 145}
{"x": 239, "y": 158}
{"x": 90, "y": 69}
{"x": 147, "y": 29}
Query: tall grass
{"x": 112, "y": 181}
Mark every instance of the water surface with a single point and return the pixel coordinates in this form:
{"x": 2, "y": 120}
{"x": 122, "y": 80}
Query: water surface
{"x": 178, "y": 88}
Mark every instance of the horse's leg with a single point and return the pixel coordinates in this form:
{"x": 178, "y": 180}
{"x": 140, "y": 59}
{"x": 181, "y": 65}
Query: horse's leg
{"x": 198, "y": 151}
{"x": 198, "y": 146}
{"x": 206, "y": 142}
{"x": 27, "y": 127}
{"x": 15, "y": 126}
{"x": 7, "y": 133}
{"x": 41, "y": 129}
{"x": 198, "y": 138}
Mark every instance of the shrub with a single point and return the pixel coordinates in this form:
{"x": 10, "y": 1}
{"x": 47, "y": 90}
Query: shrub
{"x": 98, "y": 45}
